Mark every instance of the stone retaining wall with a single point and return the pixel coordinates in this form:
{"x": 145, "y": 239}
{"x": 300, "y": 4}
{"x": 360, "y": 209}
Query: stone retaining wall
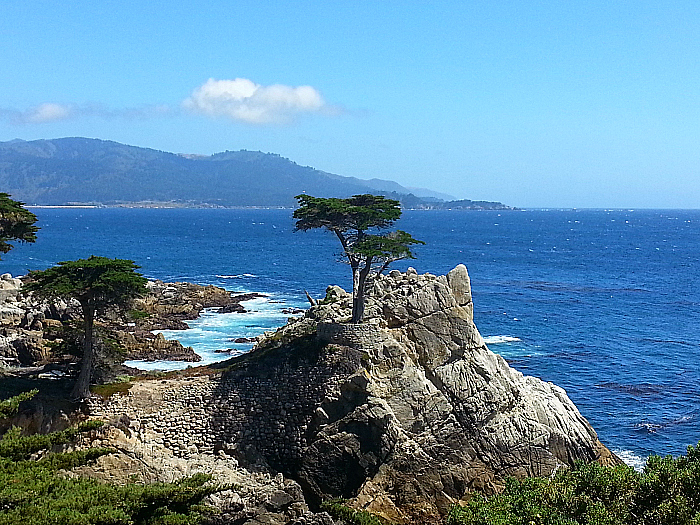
{"x": 174, "y": 413}
{"x": 353, "y": 335}
{"x": 264, "y": 414}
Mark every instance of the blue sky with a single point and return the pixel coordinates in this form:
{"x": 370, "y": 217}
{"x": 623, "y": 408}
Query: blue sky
{"x": 535, "y": 104}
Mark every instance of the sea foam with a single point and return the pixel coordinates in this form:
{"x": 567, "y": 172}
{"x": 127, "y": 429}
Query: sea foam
{"x": 631, "y": 459}
{"x": 499, "y": 339}
{"x": 212, "y": 334}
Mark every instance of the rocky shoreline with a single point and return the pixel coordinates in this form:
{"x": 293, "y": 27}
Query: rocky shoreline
{"x": 404, "y": 415}
{"x": 30, "y": 332}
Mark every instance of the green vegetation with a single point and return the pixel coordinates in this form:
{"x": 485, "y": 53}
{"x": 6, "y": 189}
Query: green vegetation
{"x": 16, "y": 223}
{"x": 338, "y": 510}
{"x": 138, "y": 314}
{"x": 97, "y": 283}
{"x": 8, "y": 407}
{"x": 667, "y": 492}
{"x": 350, "y": 219}
{"x": 121, "y": 385}
{"x": 33, "y": 491}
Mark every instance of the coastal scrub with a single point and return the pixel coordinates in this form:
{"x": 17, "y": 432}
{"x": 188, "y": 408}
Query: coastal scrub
{"x": 664, "y": 493}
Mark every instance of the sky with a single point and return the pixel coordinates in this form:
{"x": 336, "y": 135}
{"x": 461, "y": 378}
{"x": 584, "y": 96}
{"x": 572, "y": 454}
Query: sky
{"x": 539, "y": 104}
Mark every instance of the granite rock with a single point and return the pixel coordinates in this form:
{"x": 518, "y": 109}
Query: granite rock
{"x": 436, "y": 414}
{"x": 405, "y": 414}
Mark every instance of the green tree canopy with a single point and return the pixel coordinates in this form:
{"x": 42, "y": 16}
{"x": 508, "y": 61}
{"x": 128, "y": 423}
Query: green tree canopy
{"x": 96, "y": 283}
{"x": 350, "y": 219}
{"x": 16, "y": 223}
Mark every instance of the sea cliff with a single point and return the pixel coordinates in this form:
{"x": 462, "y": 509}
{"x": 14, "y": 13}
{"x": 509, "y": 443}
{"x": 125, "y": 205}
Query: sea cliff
{"x": 404, "y": 415}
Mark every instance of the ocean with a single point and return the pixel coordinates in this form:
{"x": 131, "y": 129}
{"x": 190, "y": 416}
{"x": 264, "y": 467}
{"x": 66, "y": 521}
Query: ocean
{"x": 605, "y": 304}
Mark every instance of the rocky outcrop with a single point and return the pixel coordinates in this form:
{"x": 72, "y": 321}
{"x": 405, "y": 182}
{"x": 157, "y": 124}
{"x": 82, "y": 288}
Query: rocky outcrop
{"x": 29, "y": 329}
{"x": 147, "y": 346}
{"x": 168, "y": 305}
{"x": 443, "y": 414}
{"x": 21, "y": 325}
{"x": 405, "y": 414}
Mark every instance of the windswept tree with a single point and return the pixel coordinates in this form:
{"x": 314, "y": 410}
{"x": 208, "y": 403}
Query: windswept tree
{"x": 358, "y": 222}
{"x": 97, "y": 283}
{"x": 16, "y": 223}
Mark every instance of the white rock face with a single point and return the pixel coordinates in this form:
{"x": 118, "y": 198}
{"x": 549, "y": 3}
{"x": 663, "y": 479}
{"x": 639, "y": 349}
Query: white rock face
{"x": 405, "y": 414}
{"x": 454, "y": 415}
{"x": 9, "y": 288}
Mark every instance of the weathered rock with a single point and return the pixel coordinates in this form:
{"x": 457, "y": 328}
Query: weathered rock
{"x": 436, "y": 414}
{"x": 30, "y": 347}
{"x": 241, "y": 340}
{"x": 169, "y": 305}
{"x": 155, "y": 347}
{"x": 232, "y": 308}
{"x": 405, "y": 414}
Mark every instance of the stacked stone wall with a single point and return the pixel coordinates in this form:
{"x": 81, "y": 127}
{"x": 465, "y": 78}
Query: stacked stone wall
{"x": 353, "y": 335}
{"x": 246, "y": 416}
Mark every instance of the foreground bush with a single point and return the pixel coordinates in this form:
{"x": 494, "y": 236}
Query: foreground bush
{"x": 667, "y": 492}
{"x": 33, "y": 491}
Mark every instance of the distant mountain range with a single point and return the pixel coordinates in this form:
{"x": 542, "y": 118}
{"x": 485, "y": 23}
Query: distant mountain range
{"x": 91, "y": 171}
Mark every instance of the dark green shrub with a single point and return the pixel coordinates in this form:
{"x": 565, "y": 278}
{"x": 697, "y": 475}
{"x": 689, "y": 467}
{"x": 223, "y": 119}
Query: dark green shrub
{"x": 667, "y": 492}
{"x": 138, "y": 314}
{"x": 338, "y": 510}
{"x": 33, "y": 491}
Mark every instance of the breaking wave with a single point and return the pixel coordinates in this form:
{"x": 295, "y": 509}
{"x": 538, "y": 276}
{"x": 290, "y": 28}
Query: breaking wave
{"x": 630, "y": 458}
{"x": 499, "y": 339}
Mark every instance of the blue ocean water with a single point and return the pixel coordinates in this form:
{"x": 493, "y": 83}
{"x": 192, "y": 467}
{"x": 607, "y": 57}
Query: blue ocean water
{"x": 605, "y": 304}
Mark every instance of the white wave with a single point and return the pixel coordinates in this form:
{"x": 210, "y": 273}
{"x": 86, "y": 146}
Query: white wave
{"x": 165, "y": 366}
{"x": 212, "y": 334}
{"x": 631, "y": 459}
{"x": 239, "y": 276}
{"x": 207, "y": 359}
{"x": 498, "y": 339}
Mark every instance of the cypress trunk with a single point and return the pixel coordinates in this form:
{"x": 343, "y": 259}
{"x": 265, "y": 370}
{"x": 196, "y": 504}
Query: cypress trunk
{"x": 358, "y": 296}
{"x": 81, "y": 390}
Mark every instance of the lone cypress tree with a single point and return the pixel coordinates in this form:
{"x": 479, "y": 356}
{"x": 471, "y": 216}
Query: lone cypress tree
{"x": 352, "y": 221}
{"x": 96, "y": 283}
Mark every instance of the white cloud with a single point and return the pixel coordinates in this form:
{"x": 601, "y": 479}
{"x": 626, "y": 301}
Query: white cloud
{"x": 52, "y": 112}
{"x": 243, "y": 99}
{"x": 239, "y": 99}
{"x": 47, "y": 112}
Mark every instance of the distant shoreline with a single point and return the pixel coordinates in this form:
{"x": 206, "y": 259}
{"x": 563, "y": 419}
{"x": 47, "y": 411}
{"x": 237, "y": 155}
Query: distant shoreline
{"x": 63, "y": 206}
{"x": 176, "y": 205}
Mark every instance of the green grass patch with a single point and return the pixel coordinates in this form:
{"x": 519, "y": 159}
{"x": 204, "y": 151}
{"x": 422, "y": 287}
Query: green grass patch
{"x": 137, "y": 314}
{"x": 340, "y": 511}
{"x": 110, "y": 389}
